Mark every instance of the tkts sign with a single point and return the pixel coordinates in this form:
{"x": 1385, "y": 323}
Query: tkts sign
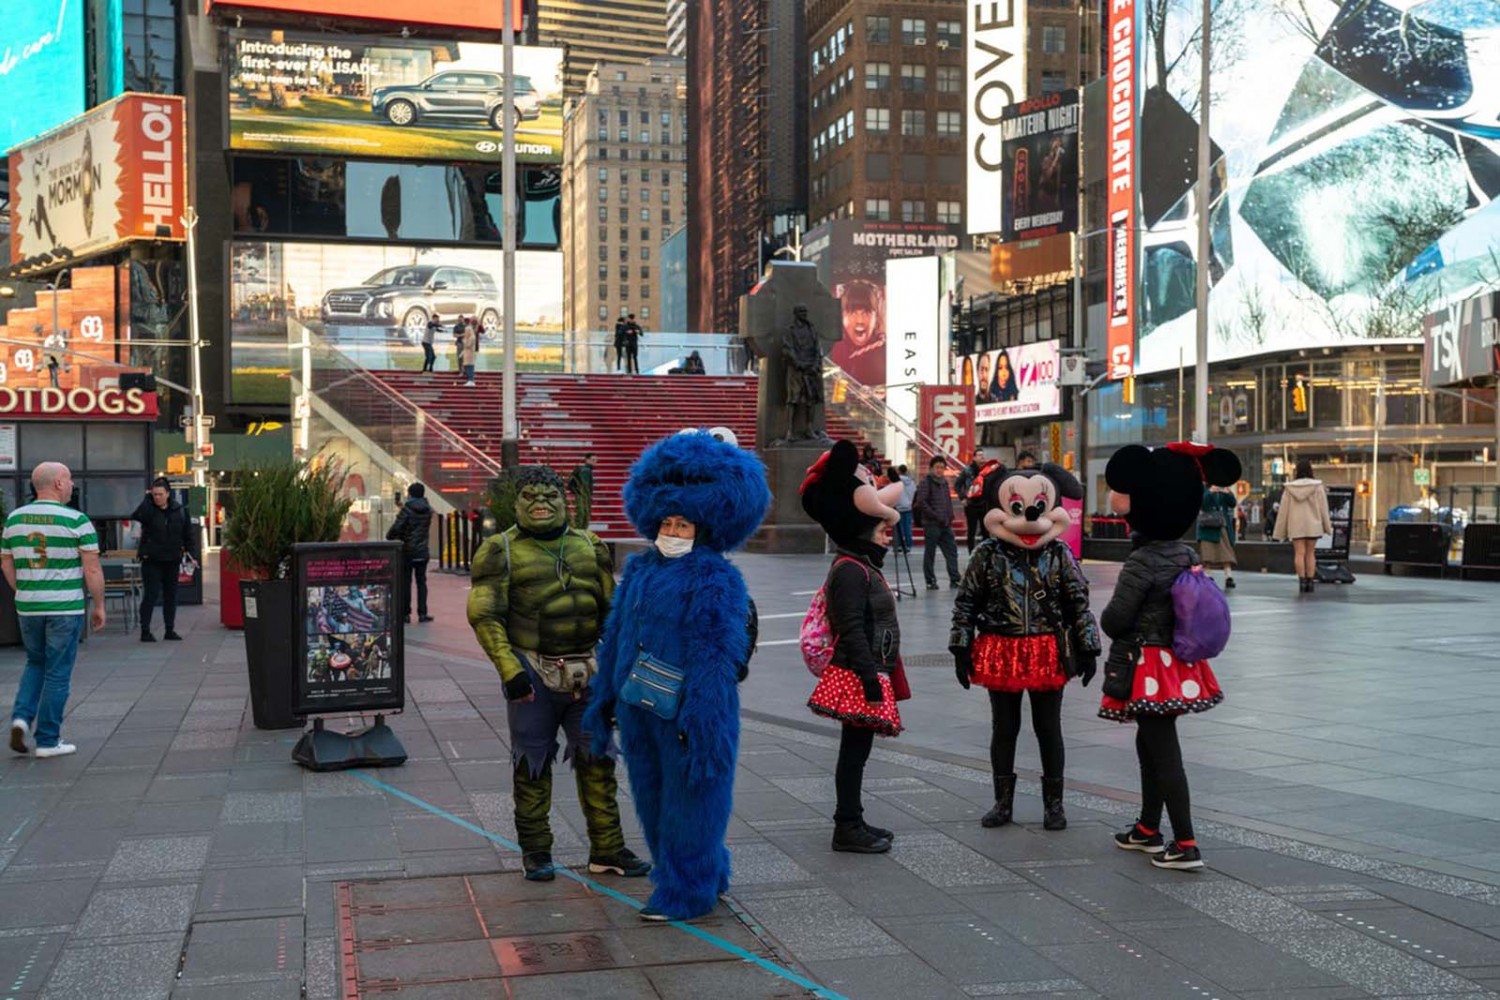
{"x": 948, "y": 419}
{"x": 116, "y": 174}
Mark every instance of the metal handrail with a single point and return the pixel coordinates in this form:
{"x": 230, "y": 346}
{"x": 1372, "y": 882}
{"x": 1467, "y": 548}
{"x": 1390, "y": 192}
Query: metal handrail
{"x": 874, "y": 402}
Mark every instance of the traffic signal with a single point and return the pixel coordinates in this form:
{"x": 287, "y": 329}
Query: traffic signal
{"x": 1299, "y": 397}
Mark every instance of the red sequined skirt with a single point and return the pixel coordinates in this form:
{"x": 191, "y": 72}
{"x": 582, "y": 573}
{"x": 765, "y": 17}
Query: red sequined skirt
{"x": 1012, "y": 663}
{"x": 840, "y": 695}
{"x": 1165, "y": 685}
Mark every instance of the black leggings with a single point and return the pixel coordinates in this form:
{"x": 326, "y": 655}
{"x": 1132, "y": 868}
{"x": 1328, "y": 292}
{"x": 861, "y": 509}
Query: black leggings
{"x": 849, "y": 773}
{"x": 1046, "y": 720}
{"x": 1163, "y": 780}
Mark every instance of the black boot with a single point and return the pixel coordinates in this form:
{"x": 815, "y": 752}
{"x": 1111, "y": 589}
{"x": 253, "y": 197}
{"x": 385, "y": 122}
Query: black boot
{"x": 1053, "y": 816}
{"x": 883, "y": 834}
{"x": 855, "y": 838}
{"x": 1005, "y": 794}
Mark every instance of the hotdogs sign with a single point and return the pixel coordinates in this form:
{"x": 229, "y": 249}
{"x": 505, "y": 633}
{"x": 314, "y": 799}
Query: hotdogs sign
{"x": 71, "y": 404}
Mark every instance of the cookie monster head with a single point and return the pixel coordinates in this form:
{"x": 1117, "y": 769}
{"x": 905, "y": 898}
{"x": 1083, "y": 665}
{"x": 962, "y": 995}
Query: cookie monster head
{"x": 718, "y": 487}
{"x": 1159, "y": 491}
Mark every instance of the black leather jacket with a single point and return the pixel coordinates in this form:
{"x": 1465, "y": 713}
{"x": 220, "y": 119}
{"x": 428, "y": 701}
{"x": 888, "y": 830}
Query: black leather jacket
{"x": 1140, "y": 612}
{"x": 862, "y": 614}
{"x": 166, "y": 532}
{"x": 1017, "y": 592}
{"x": 411, "y": 528}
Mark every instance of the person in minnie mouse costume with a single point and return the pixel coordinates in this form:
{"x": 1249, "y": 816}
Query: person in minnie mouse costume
{"x": 679, "y": 620}
{"x": 1159, "y": 493}
{"x": 857, "y": 686}
{"x": 1021, "y": 623}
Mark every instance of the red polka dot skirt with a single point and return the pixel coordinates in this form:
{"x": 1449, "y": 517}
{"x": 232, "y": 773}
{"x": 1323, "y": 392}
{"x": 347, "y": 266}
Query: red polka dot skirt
{"x": 840, "y": 695}
{"x": 1006, "y": 663}
{"x": 1165, "y": 685}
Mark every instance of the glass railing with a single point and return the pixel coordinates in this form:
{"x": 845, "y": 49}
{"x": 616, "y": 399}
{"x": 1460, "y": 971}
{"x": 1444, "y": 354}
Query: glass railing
{"x": 593, "y": 352}
{"x": 864, "y": 410}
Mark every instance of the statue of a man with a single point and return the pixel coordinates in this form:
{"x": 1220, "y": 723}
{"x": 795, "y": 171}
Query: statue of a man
{"x": 802, "y": 352}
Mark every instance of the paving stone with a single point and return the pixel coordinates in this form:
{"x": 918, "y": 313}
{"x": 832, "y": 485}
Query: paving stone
{"x": 815, "y": 925}
{"x": 241, "y": 989}
{"x": 1365, "y": 963}
{"x": 138, "y": 911}
{"x": 730, "y": 979}
{"x": 187, "y": 787}
{"x": 321, "y": 965}
{"x": 138, "y": 971}
{"x": 256, "y": 888}
{"x": 275, "y": 842}
{"x": 943, "y": 862}
{"x": 262, "y": 807}
{"x": 215, "y": 738}
{"x": 1425, "y": 936}
{"x": 970, "y": 950}
{"x": 761, "y": 863}
{"x": 1040, "y": 987}
{"x": 1036, "y": 918}
{"x": 26, "y": 961}
{"x": 1236, "y": 960}
{"x": 883, "y": 977}
{"x": 229, "y": 951}
{"x": 158, "y": 857}
{"x": 419, "y": 963}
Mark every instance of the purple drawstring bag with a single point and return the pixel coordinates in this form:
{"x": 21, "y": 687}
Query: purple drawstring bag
{"x": 1202, "y": 628}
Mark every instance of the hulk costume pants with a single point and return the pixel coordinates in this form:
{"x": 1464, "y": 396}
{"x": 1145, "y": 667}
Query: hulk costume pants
{"x": 533, "y": 749}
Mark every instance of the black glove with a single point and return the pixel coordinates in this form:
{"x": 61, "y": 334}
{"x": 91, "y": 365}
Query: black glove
{"x": 1088, "y": 665}
{"x": 518, "y": 687}
{"x": 963, "y": 666}
{"x": 873, "y": 693}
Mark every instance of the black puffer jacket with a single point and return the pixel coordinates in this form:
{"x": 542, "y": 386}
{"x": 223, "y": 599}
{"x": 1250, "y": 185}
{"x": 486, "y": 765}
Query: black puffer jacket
{"x": 411, "y": 528}
{"x": 862, "y": 614}
{"x": 1140, "y": 612}
{"x": 1017, "y": 592}
{"x": 166, "y": 532}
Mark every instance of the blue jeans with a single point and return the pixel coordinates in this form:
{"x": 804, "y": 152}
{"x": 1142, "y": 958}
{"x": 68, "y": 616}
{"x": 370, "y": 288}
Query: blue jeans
{"x": 903, "y": 531}
{"x": 51, "y": 647}
{"x": 468, "y": 373}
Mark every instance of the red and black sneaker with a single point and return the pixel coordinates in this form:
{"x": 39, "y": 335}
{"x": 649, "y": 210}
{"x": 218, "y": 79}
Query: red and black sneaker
{"x": 1181, "y": 857}
{"x": 1137, "y": 839}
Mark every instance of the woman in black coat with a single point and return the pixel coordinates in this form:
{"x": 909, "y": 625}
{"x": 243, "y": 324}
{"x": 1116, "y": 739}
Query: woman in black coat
{"x": 166, "y": 536}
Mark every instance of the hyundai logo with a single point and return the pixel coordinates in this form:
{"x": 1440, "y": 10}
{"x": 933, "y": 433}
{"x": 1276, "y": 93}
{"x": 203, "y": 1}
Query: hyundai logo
{"x": 486, "y": 146}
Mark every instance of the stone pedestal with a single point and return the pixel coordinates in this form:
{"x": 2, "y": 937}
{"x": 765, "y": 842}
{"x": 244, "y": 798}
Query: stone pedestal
{"x": 787, "y": 528}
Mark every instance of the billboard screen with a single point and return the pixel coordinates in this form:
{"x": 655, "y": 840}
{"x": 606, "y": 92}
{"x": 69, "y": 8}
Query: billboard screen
{"x": 449, "y": 13}
{"x": 1356, "y": 166}
{"x": 1120, "y": 201}
{"x": 394, "y": 98}
{"x": 914, "y": 351}
{"x": 374, "y": 302}
{"x": 1015, "y": 383}
{"x": 1462, "y": 342}
{"x": 41, "y": 69}
{"x": 1041, "y": 167}
{"x": 114, "y": 175}
{"x": 851, "y": 260}
{"x": 995, "y": 64}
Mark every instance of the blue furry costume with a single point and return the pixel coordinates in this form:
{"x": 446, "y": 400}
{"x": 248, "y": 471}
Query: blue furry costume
{"x": 690, "y": 611}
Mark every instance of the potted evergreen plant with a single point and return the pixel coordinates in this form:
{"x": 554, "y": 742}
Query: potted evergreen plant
{"x": 276, "y": 506}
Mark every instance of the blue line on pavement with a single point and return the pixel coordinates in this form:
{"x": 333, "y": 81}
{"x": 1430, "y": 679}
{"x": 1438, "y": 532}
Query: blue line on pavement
{"x": 726, "y": 946}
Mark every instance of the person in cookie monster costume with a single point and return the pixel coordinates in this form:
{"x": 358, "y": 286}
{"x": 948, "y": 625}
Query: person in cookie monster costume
{"x": 674, "y": 649}
{"x": 541, "y": 591}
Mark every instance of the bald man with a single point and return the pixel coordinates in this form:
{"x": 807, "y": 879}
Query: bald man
{"x": 48, "y": 553}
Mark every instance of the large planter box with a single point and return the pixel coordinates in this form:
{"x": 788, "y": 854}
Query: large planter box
{"x": 269, "y": 608}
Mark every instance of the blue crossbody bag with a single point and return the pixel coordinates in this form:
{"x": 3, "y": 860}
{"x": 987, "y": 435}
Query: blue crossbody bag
{"x": 653, "y": 685}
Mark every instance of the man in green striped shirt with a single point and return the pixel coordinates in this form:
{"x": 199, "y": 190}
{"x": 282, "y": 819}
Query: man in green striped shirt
{"x": 48, "y": 552}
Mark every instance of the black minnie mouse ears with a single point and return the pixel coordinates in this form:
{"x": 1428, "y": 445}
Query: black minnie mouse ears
{"x": 1135, "y": 466}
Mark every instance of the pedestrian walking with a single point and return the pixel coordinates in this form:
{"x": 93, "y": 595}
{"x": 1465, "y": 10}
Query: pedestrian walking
{"x": 49, "y": 554}
{"x": 458, "y": 343}
{"x": 933, "y": 505}
{"x": 1022, "y": 627}
{"x": 166, "y": 541}
{"x": 619, "y": 342}
{"x": 904, "y": 507}
{"x": 977, "y": 481}
{"x": 864, "y": 679}
{"x": 429, "y": 339}
{"x": 412, "y": 528}
{"x": 1216, "y": 531}
{"x": 632, "y": 344}
{"x": 581, "y": 485}
{"x": 1145, "y": 680}
{"x": 469, "y": 351}
{"x": 1303, "y": 519}
{"x": 672, "y": 657}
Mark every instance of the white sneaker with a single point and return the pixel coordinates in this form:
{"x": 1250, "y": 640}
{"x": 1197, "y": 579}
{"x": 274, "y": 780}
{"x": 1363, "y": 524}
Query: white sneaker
{"x": 61, "y": 750}
{"x": 468, "y": 385}
{"x": 19, "y": 733}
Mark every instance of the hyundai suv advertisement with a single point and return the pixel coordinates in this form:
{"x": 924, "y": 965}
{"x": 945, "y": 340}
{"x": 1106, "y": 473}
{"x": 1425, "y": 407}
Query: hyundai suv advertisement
{"x": 390, "y": 98}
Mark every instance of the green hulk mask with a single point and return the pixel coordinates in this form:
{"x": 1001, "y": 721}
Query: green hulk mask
{"x": 540, "y": 506}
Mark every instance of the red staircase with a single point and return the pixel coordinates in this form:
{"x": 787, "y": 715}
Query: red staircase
{"x": 563, "y": 417}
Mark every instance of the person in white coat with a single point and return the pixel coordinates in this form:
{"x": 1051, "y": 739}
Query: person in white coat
{"x": 1302, "y": 520}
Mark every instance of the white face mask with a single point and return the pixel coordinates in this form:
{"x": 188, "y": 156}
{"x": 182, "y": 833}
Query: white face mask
{"x": 673, "y": 548}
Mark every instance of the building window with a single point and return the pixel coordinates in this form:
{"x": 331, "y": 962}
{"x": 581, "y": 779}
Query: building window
{"x": 666, "y": 176}
{"x": 603, "y": 214}
{"x": 1054, "y": 39}
{"x": 646, "y": 311}
{"x": 603, "y": 276}
{"x": 645, "y": 215}
{"x": 645, "y": 276}
{"x": 603, "y": 310}
{"x": 950, "y": 211}
{"x": 624, "y": 276}
{"x": 950, "y": 79}
{"x": 1054, "y": 81}
{"x": 625, "y": 154}
{"x": 645, "y": 232}
{"x": 877, "y": 120}
{"x": 645, "y": 175}
{"x": 603, "y": 134}
{"x": 603, "y": 254}
{"x": 624, "y": 215}
{"x": 624, "y": 254}
{"x": 645, "y": 253}
{"x": 625, "y": 195}
{"x": 914, "y": 123}
{"x": 913, "y": 31}
{"x": 645, "y": 118}
{"x": 914, "y": 78}
{"x": 950, "y": 123}
{"x": 604, "y": 194}
{"x": 877, "y": 30}
{"x": 950, "y": 32}
{"x": 878, "y": 209}
{"x": 877, "y": 76}
{"x": 666, "y": 119}
{"x": 624, "y": 119}
{"x": 913, "y": 211}
{"x": 603, "y": 175}
{"x": 624, "y": 135}
{"x": 666, "y": 215}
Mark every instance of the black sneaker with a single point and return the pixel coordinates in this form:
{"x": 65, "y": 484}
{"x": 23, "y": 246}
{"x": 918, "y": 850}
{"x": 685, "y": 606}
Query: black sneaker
{"x": 932, "y": 586}
{"x": 1134, "y": 840}
{"x": 879, "y": 832}
{"x": 854, "y": 838}
{"x": 1229, "y": 583}
{"x": 424, "y": 618}
{"x": 538, "y": 866}
{"x": 147, "y": 637}
{"x": 1181, "y": 858}
{"x": 622, "y": 862}
{"x": 171, "y": 636}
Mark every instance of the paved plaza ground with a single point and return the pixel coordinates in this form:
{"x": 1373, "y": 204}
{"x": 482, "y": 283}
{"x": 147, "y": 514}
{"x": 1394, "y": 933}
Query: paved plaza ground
{"x": 1347, "y": 794}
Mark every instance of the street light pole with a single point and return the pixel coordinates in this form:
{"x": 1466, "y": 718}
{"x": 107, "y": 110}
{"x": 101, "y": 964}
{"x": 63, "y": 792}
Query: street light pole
{"x": 510, "y": 443}
{"x": 195, "y": 343}
{"x": 1205, "y": 246}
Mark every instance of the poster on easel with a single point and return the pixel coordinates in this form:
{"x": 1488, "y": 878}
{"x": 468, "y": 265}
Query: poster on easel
{"x": 350, "y": 639}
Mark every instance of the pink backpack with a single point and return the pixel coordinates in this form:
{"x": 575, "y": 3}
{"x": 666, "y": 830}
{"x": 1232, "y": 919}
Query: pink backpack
{"x": 816, "y": 637}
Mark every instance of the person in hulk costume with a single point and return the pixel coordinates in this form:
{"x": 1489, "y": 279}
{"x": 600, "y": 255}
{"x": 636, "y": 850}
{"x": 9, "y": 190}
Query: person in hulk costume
{"x": 540, "y": 595}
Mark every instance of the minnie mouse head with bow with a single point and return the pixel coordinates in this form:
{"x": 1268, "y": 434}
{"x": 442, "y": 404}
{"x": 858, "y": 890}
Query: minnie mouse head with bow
{"x": 1159, "y": 491}
{"x": 840, "y": 494}
{"x": 1025, "y": 506}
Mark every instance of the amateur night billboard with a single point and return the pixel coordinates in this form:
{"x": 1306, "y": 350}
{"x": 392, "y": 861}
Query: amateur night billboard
{"x": 1040, "y": 139}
